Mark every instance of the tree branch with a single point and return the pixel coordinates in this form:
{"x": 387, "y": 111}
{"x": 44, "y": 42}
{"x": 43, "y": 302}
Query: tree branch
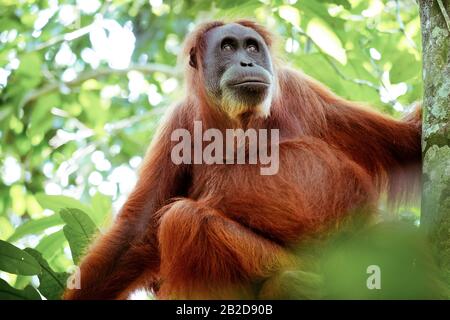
{"x": 444, "y": 13}
{"x": 360, "y": 82}
{"x": 65, "y": 37}
{"x": 84, "y": 132}
{"x": 69, "y": 36}
{"x": 402, "y": 25}
{"x": 95, "y": 74}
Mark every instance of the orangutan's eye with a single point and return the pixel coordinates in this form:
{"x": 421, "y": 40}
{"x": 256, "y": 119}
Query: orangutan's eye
{"x": 252, "y": 48}
{"x": 228, "y": 44}
{"x": 227, "y": 47}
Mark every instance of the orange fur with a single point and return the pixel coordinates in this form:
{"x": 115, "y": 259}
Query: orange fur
{"x": 212, "y": 231}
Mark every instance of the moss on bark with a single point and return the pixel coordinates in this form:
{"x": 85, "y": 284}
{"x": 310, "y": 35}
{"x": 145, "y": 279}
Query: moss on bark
{"x": 436, "y": 127}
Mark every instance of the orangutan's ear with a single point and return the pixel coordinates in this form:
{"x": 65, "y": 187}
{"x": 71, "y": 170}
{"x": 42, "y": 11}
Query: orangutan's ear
{"x": 192, "y": 58}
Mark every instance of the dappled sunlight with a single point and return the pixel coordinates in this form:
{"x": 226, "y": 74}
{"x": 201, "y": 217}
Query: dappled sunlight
{"x": 326, "y": 40}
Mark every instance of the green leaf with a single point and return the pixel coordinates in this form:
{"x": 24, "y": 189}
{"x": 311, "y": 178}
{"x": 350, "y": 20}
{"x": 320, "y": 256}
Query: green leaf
{"x": 101, "y": 210}
{"x": 326, "y": 39}
{"x": 41, "y": 118}
{"x": 9, "y": 293}
{"x": 52, "y": 249}
{"x": 345, "y": 3}
{"x": 29, "y": 65}
{"x": 56, "y": 203}
{"x": 317, "y": 10}
{"x": 6, "y": 229}
{"x": 35, "y": 226}
{"x": 22, "y": 281}
{"x": 17, "y": 261}
{"x": 290, "y": 14}
{"x": 79, "y": 230}
{"x": 317, "y": 66}
{"x": 235, "y": 8}
{"x": 93, "y": 107}
{"x": 52, "y": 284}
{"x": 404, "y": 68}
{"x": 30, "y": 70}
{"x": 52, "y": 244}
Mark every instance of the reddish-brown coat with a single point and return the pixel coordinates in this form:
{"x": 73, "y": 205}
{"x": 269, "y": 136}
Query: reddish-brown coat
{"x": 211, "y": 231}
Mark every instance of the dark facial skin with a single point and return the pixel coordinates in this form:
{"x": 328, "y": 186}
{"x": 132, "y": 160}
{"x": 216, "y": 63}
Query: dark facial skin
{"x": 237, "y": 68}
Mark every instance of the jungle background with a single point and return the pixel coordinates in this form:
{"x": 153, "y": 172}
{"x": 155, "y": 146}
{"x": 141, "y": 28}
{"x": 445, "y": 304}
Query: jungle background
{"x": 83, "y": 84}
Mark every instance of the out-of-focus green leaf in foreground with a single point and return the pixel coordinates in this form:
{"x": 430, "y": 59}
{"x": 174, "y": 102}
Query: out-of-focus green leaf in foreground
{"x": 35, "y": 226}
{"x": 9, "y": 293}
{"x": 396, "y": 255}
{"x": 52, "y": 284}
{"x": 17, "y": 261}
{"x": 79, "y": 230}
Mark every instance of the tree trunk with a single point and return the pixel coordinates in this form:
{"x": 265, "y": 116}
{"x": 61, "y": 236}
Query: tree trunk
{"x": 435, "y": 217}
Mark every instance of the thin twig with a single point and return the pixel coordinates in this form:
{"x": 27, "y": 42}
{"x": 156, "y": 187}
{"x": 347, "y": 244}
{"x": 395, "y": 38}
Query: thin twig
{"x": 128, "y": 122}
{"x": 402, "y": 25}
{"x": 85, "y": 132}
{"x": 94, "y": 74}
{"x": 347, "y": 78}
{"x": 65, "y": 37}
{"x": 360, "y": 82}
{"x": 444, "y": 13}
{"x": 379, "y": 72}
{"x": 70, "y": 36}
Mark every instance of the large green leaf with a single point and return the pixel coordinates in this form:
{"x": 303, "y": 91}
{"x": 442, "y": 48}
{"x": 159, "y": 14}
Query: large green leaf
{"x": 52, "y": 284}
{"x": 404, "y": 68}
{"x": 35, "y": 227}
{"x": 22, "y": 281}
{"x": 326, "y": 39}
{"x": 101, "y": 210}
{"x": 9, "y": 293}
{"x": 52, "y": 244}
{"x": 57, "y": 203}
{"x": 17, "y": 261}
{"x": 79, "y": 230}
{"x": 52, "y": 248}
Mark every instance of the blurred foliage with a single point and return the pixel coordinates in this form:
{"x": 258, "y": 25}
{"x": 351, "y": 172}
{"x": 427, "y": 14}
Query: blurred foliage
{"x": 389, "y": 260}
{"x": 398, "y": 252}
{"x": 84, "y": 82}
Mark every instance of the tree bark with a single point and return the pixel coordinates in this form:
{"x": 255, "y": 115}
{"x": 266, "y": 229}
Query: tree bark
{"x": 435, "y": 219}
